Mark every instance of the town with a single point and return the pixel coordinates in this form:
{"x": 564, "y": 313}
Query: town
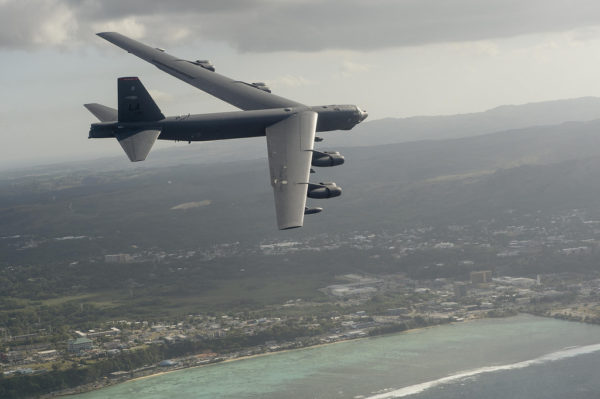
{"x": 417, "y": 277}
{"x": 353, "y": 310}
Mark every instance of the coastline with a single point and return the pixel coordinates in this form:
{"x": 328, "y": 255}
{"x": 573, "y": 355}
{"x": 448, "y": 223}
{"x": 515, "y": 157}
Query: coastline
{"x": 394, "y": 354}
{"x": 97, "y": 385}
{"x": 257, "y": 355}
{"x": 233, "y": 359}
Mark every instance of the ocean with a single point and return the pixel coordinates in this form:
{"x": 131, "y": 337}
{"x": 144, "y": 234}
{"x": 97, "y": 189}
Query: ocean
{"x": 517, "y": 357}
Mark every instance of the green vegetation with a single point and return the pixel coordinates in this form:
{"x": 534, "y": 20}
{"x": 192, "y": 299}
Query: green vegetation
{"x": 132, "y": 292}
{"x": 90, "y": 371}
{"x": 400, "y": 201}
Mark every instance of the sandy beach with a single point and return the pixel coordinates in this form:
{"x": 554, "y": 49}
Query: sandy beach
{"x": 235, "y": 359}
{"x": 106, "y": 383}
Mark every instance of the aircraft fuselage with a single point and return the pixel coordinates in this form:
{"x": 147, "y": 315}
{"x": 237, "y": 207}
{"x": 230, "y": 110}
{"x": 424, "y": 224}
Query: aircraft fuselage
{"x": 232, "y": 125}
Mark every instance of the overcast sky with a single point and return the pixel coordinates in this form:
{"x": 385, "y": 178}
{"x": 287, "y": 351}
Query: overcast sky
{"x": 394, "y": 58}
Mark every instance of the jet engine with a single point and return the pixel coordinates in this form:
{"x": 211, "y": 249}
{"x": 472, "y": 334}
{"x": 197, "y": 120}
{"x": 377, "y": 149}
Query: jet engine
{"x": 327, "y": 158}
{"x": 324, "y": 190}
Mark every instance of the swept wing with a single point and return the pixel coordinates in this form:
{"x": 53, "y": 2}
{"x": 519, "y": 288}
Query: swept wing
{"x": 290, "y": 144}
{"x": 234, "y": 92}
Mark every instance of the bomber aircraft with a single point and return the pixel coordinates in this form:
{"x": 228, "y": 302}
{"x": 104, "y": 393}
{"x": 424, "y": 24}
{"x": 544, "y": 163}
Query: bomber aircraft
{"x": 288, "y": 125}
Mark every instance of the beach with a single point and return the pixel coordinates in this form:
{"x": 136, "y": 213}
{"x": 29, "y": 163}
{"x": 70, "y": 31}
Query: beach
{"x": 371, "y": 366}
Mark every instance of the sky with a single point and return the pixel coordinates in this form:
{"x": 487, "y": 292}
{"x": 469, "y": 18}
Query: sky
{"x": 394, "y": 58}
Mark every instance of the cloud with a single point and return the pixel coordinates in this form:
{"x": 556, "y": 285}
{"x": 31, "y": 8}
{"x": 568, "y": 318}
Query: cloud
{"x": 289, "y": 81}
{"x": 349, "y": 68}
{"x": 297, "y": 25}
{"x": 129, "y": 26}
{"x": 30, "y": 23}
{"x": 191, "y": 205}
{"x": 161, "y": 96}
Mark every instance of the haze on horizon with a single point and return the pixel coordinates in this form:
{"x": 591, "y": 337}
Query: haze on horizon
{"x": 393, "y": 58}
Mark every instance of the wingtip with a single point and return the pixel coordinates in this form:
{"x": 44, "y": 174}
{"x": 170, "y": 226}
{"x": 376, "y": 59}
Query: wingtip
{"x": 110, "y": 36}
{"x": 289, "y": 227}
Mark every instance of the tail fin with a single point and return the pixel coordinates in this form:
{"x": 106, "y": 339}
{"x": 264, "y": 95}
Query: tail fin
{"x": 102, "y": 112}
{"x": 135, "y": 103}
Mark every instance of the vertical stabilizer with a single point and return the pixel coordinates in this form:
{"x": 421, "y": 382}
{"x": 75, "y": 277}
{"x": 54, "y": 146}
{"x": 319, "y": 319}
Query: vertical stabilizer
{"x": 136, "y": 106}
{"x": 135, "y": 103}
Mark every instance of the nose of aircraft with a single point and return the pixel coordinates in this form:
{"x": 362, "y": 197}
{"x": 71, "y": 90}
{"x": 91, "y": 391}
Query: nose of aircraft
{"x": 362, "y": 114}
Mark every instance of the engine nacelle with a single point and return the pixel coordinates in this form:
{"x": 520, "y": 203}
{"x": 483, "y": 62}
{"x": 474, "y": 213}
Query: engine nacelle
{"x": 312, "y": 211}
{"x": 261, "y": 86}
{"x": 323, "y": 190}
{"x": 206, "y": 64}
{"x": 327, "y": 158}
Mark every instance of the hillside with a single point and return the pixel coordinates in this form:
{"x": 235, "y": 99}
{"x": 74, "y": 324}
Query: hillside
{"x": 203, "y": 236}
{"x": 400, "y": 182}
{"x": 367, "y": 134}
{"x": 503, "y": 118}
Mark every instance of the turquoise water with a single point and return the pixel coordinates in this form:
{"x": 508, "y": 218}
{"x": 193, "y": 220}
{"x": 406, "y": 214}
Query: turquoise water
{"x": 477, "y": 357}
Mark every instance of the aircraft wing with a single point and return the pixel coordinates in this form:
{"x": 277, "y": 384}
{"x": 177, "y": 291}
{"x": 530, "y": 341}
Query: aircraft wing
{"x": 290, "y": 144}
{"x": 237, "y": 93}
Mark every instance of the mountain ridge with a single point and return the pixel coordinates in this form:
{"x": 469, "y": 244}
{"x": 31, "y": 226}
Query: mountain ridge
{"x": 368, "y": 133}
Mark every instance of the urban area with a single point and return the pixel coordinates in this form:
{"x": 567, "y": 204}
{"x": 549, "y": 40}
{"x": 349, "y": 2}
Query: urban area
{"x": 358, "y": 305}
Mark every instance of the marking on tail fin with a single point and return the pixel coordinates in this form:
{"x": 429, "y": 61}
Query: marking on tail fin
{"x": 138, "y": 106}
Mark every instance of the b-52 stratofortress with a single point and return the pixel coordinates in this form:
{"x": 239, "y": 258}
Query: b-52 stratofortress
{"x": 288, "y": 125}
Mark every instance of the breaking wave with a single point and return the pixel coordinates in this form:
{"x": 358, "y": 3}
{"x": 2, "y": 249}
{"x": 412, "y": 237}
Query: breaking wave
{"x": 418, "y": 388}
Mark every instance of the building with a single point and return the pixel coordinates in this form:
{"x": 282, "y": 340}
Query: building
{"x": 92, "y": 334}
{"x": 516, "y": 281}
{"x": 481, "y": 277}
{"x": 79, "y": 344}
{"x": 119, "y": 374}
{"x": 168, "y": 363}
{"x": 47, "y": 355}
{"x": 366, "y": 286}
{"x": 460, "y": 290}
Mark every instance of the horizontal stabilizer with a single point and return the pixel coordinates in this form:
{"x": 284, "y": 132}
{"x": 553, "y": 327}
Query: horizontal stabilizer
{"x": 102, "y": 112}
{"x": 135, "y": 103}
{"x": 138, "y": 144}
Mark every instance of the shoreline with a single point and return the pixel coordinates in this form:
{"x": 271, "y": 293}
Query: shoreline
{"x": 98, "y": 385}
{"x": 257, "y": 355}
{"x": 226, "y": 359}
{"x": 234, "y": 359}
{"x": 217, "y": 379}
{"x": 246, "y": 357}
